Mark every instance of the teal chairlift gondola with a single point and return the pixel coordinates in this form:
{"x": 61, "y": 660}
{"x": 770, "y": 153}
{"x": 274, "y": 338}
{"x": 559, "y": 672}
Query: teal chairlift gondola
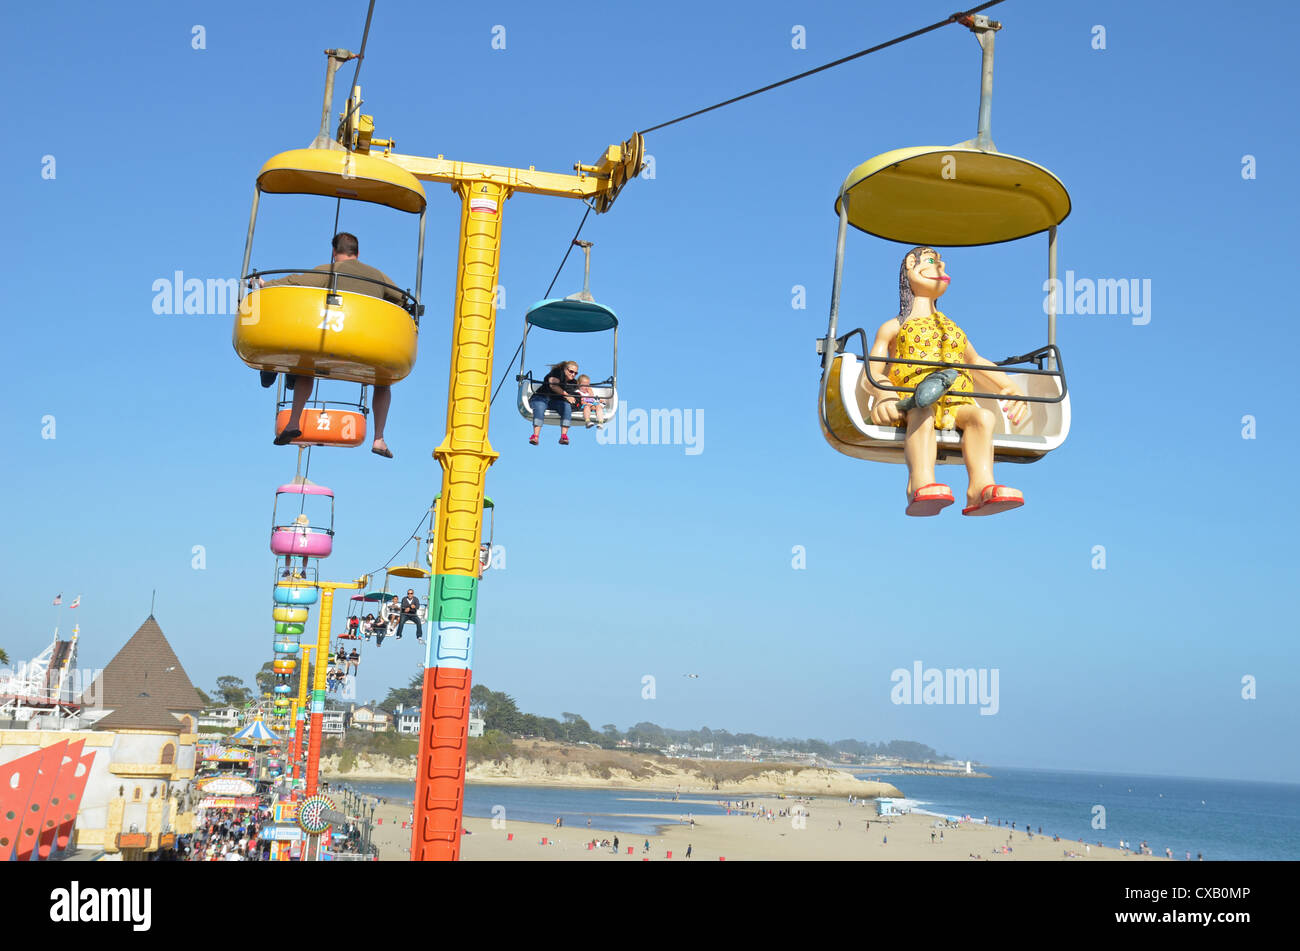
{"x": 577, "y": 314}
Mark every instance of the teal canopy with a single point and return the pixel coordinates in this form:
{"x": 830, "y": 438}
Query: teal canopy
{"x": 571, "y": 316}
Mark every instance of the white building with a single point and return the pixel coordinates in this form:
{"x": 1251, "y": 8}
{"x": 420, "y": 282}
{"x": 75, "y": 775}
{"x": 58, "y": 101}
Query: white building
{"x": 408, "y": 720}
{"x": 370, "y": 718}
{"x": 226, "y": 718}
{"x": 331, "y": 722}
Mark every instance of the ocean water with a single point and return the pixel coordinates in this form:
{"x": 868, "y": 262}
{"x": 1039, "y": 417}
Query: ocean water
{"x": 616, "y": 810}
{"x": 1220, "y": 819}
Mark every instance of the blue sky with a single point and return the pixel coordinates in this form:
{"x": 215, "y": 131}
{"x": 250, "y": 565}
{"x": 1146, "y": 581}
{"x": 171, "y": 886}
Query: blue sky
{"x": 623, "y": 561}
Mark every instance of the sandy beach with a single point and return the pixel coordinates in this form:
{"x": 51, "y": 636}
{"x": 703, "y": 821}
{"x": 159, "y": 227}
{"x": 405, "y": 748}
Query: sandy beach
{"x": 833, "y": 830}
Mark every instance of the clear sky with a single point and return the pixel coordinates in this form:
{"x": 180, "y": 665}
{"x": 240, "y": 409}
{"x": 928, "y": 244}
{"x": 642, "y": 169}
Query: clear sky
{"x": 621, "y": 560}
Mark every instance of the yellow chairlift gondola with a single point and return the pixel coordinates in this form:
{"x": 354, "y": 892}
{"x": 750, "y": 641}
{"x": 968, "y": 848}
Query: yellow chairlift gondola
{"x": 353, "y": 328}
{"x": 930, "y": 196}
{"x": 577, "y": 313}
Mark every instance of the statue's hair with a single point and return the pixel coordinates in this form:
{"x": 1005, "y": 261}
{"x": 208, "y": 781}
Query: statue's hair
{"x": 905, "y": 297}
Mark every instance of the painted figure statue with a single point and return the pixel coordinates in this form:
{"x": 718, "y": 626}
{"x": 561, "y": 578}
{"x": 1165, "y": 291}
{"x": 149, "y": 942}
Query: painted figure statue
{"x": 922, "y": 332}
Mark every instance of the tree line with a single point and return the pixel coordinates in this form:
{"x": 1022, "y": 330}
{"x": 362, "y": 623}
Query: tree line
{"x": 500, "y": 711}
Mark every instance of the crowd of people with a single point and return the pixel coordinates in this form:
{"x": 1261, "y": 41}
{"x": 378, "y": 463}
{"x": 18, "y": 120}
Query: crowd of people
{"x": 389, "y": 623}
{"x": 226, "y": 835}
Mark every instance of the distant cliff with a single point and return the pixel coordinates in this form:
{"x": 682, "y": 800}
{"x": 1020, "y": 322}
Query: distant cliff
{"x": 541, "y": 763}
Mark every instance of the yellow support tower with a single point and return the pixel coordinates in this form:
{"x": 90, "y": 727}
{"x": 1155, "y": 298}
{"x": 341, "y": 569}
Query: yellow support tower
{"x": 465, "y": 455}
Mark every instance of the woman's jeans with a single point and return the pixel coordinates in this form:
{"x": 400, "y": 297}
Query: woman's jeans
{"x": 559, "y": 404}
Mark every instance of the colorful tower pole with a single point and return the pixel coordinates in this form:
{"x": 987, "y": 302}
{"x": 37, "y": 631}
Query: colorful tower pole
{"x": 464, "y": 455}
{"x": 299, "y": 714}
{"x": 327, "y": 589}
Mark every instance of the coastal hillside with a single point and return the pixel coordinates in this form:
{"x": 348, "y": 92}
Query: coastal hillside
{"x": 541, "y": 762}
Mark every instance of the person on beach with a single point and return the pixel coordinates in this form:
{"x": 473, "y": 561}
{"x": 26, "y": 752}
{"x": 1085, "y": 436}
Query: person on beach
{"x": 558, "y": 393}
{"x": 688, "y": 850}
{"x": 590, "y": 402}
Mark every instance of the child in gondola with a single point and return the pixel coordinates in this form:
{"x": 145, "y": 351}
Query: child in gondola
{"x": 589, "y": 401}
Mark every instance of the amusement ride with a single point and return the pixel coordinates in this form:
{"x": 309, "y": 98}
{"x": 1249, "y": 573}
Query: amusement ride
{"x": 334, "y": 324}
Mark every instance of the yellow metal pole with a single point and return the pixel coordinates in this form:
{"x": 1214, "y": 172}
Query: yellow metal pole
{"x": 298, "y": 711}
{"x": 327, "y": 589}
{"x": 464, "y": 455}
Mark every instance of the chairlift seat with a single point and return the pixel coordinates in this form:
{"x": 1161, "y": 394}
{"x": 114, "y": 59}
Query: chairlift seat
{"x": 527, "y": 387}
{"x": 313, "y": 332}
{"x": 303, "y": 540}
{"x": 326, "y": 427}
{"x": 847, "y": 426}
{"x": 576, "y": 314}
{"x": 296, "y": 594}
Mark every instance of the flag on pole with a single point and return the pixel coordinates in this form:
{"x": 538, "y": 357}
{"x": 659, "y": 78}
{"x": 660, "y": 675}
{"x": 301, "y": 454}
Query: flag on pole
{"x": 75, "y": 601}
{"x": 58, "y": 598}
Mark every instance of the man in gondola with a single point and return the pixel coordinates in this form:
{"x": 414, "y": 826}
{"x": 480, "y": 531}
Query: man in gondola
{"x": 410, "y": 608}
{"x": 344, "y": 263}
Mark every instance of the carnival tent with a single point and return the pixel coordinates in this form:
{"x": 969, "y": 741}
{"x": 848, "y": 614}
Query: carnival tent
{"x": 257, "y": 733}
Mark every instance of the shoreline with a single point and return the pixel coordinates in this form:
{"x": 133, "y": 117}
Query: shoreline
{"x": 863, "y": 789}
{"x": 828, "y": 830}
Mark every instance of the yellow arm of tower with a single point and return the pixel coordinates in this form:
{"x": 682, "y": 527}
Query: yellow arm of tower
{"x": 602, "y": 181}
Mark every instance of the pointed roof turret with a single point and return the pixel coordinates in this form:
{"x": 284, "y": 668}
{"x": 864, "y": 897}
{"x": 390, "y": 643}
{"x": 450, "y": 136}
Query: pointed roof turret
{"x": 146, "y": 664}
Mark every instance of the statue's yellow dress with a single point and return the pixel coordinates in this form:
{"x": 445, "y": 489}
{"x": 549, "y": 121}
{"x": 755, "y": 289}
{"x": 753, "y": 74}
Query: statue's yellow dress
{"x": 933, "y": 337}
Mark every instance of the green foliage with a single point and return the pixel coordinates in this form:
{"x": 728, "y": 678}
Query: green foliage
{"x": 4, "y": 658}
{"x": 408, "y": 696}
{"x": 501, "y": 714}
{"x": 347, "y": 760}
{"x": 386, "y": 743}
{"x": 265, "y": 678}
{"x": 492, "y": 746}
{"x": 232, "y": 692}
{"x": 207, "y": 701}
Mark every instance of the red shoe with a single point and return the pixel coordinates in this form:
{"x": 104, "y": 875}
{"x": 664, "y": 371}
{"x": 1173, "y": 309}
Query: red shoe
{"x": 930, "y": 500}
{"x": 564, "y": 439}
{"x": 532, "y": 440}
{"x": 995, "y": 499}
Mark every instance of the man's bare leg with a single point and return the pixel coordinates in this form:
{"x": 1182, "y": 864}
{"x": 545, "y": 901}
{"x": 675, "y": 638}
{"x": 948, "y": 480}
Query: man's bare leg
{"x": 383, "y": 400}
{"x": 302, "y": 386}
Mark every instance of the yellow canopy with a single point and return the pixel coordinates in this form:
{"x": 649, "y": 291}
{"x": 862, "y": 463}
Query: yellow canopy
{"x": 338, "y": 174}
{"x": 409, "y": 570}
{"x": 952, "y": 196}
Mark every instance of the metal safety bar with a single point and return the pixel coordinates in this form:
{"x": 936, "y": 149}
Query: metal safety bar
{"x": 1047, "y": 354}
{"x": 528, "y": 376}
{"x": 414, "y": 307}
